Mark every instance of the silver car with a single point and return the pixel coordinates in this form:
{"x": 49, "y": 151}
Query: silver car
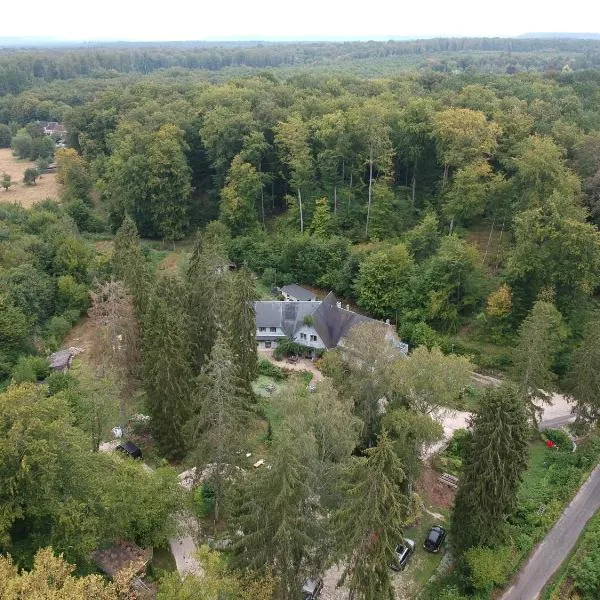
{"x": 403, "y": 552}
{"x": 312, "y": 588}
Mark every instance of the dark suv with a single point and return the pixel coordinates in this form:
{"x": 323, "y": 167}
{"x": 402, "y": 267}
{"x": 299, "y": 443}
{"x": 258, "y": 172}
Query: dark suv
{"x": 403, "y": 552}
{"x": 312, "y": 588}
{"x": 435, "y": 539}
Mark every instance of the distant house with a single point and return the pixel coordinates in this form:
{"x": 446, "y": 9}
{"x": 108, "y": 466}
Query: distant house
{"x": 61, "y": 360}
{"x": 122, "y": 555}
{"x": 296, "y": 293}
{"x": 319, "y": 325}
{"x": 53, "y": 127}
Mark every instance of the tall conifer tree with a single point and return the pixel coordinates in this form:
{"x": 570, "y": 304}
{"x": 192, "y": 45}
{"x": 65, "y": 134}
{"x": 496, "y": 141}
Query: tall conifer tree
{"x": 240, "y": 326}
{"x": 369, "y": 523}
{"x": 496, "y": 457}
{"x": 165, "y": 365}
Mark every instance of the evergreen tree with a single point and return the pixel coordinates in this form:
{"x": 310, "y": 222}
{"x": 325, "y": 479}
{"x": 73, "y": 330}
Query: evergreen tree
{"x": 240, "y": 326}
{"x": 321, "y": 221}
{"x": 129, "y": 265}
{"x": 584, "y": 375}
{"x": 165, "y": 365}
{"x": 206, "y": 290}
{"x": 277, "y": 510}
{"x": 540, "y": 338}
{"x": 217, "y": 428}
{"x": 370, "y": 520}
{"x": 496, "y": 457}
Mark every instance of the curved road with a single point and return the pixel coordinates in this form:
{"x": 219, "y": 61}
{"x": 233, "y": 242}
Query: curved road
{"x": 555, "y": 547}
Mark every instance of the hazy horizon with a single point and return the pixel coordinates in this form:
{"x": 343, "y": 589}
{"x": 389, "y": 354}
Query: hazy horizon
{"x": 271, "y": 20}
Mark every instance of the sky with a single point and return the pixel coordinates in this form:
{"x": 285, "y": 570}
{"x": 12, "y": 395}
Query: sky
{"x": 165, "y": 20}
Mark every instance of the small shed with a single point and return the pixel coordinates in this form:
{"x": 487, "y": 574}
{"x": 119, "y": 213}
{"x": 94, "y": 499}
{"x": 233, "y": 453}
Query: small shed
{"x": 122, "y": 555}
{"x": 130, "y": 449}
{"x": 61, "y": 360}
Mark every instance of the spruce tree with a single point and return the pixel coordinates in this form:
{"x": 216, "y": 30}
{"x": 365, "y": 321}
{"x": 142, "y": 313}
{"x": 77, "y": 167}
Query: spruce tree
{"x": 495, "y": 459}
{"x": 540, "y": 338}
{"x": 240, "y": 326}
{"x": 206, "y": 291}
{"x": 217, "y": 429}
{"x": 278, "y": 512}
{"x": 370, "y": 520}
{"x": 129, "y": 265}
{"x": 165, "y": 366}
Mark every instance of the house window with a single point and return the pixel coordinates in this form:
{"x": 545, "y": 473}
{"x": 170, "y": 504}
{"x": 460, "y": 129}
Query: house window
{"x": 262, "y": 328}
{"x": 273, "y": 329}
{"x": 302, "y": 336}
{"x": 267, "y": 344}
{"x": 313, "y": 338}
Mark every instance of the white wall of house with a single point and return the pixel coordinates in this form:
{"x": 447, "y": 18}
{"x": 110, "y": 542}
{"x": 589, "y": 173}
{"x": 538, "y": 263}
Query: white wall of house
{"x": 270, "y": 331}
{"x": 266, "y": 344}
{"x": 308, "y": 336}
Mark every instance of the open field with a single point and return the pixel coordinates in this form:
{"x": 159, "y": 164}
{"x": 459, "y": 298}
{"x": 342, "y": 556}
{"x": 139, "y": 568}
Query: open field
{"x": 26, "y": 195}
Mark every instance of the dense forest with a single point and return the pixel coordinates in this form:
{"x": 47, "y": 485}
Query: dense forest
{"x": 451, "y": 187}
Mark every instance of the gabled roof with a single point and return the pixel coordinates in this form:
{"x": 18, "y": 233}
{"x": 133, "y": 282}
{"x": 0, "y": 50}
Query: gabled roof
{"x": 298, "y": 292}
{"x": 333, "y": 323}
{"x": 287, "y": 315}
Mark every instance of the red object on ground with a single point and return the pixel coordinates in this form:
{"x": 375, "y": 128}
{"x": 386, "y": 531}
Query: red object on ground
{"x": 550, "y": 443}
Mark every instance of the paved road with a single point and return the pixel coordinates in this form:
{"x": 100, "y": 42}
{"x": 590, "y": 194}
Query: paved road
{"x": 550, "y": 554}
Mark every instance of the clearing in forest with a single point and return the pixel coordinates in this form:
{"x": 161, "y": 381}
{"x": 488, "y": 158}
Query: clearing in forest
{"x": 26, "y": 195}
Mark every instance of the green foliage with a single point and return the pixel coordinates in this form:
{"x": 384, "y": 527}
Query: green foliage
{"x": 559, "y": 437}
{"x": 489, "y": 567}
{"x": 30, "y": 176}
{"x": 71, "y": 295}
{"x": 204, "y": 501}
{"x": 5, "y": 136}
{"x": 30, "y": 369}
{"x": 268, "y": 369}
{"x": 59, "y": 381}
{"x": 493, "y": 466}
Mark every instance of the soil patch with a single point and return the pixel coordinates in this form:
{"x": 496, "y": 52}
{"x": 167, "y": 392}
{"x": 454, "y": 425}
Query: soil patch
{"x": 433, "y": 492}
{"x": 26, "y": 195}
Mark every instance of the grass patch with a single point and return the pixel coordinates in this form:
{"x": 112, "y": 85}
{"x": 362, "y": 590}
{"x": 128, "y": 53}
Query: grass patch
{"x": 162, "y": 560}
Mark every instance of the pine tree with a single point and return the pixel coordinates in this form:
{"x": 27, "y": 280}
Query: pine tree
{"x": 129, "y": 265}
{"x": 165, "y": 365}
{"x": 240, "y": 326}
{"x": 206, "y": 290}
{"x": 217, "y": 428}
{"x": 277, "y": 510}
{"x": 540, "y": 338}
{"x": 369, "y": 523}
{"x": 321, "y": 221}
{"x": 496, "y": 457}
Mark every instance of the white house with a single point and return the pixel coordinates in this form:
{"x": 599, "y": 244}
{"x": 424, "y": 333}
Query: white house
{"x": 319, "y": 325}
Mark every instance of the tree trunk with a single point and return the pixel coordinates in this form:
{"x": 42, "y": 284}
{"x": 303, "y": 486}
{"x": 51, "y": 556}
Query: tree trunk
{"x": 414, "y": 181}
{"x": 335, "y": 200}
{"x": 301, "y": 215}
{"x": 370, "y": 190}
{"x": 262, "y": 204}
{"x": 445, "y": 180}
{"x": 489, "y": 241}
{"x": 349, "y": 195}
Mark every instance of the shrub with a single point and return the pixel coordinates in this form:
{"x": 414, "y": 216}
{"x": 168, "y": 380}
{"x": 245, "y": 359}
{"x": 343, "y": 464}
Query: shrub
{"x": 57, "y": 327}
{"x": 560, "y": 438}
{"x": 30, "y": 368}
{"x": 489, "y": 567}
{"x": 458, "y": 443}
{"x": 58, "y": 382}
{"x": 204, "y": 500}
{"x": 268, "y": 369}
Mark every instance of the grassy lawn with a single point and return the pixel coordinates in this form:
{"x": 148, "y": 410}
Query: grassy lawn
{"x": 536, "y": 470}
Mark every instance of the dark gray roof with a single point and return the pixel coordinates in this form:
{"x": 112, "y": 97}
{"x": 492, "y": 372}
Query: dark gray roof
{"x": 60, "y": 359}
{"x": 298, "y": 292}
{"x": 334, "y": 323}
{"x": 287, "y": 315}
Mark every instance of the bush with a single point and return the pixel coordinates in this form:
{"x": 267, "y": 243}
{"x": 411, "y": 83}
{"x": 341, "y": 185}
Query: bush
{"x": 559, "y": 437}
{"x": 57, "y": 327}
{"x": 204, "y": 500}
{"x": 458, "y": 444}
{"x": 489, "y": 567}
{"x": 268, "y": 369}
{"x": 58, "y": 382}
{"x": 30, "y": 368}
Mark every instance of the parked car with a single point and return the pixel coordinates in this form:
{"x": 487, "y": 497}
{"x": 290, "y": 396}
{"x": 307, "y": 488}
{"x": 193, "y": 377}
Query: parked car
{"x": 435, "y": 539}
{"x": 312, "y": 588}
{"x": 403, "y": 552}
{"x": 129, "y": 449}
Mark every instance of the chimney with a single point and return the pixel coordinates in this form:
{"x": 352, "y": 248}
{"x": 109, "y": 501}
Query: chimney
{"x": 339, "y": 305}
